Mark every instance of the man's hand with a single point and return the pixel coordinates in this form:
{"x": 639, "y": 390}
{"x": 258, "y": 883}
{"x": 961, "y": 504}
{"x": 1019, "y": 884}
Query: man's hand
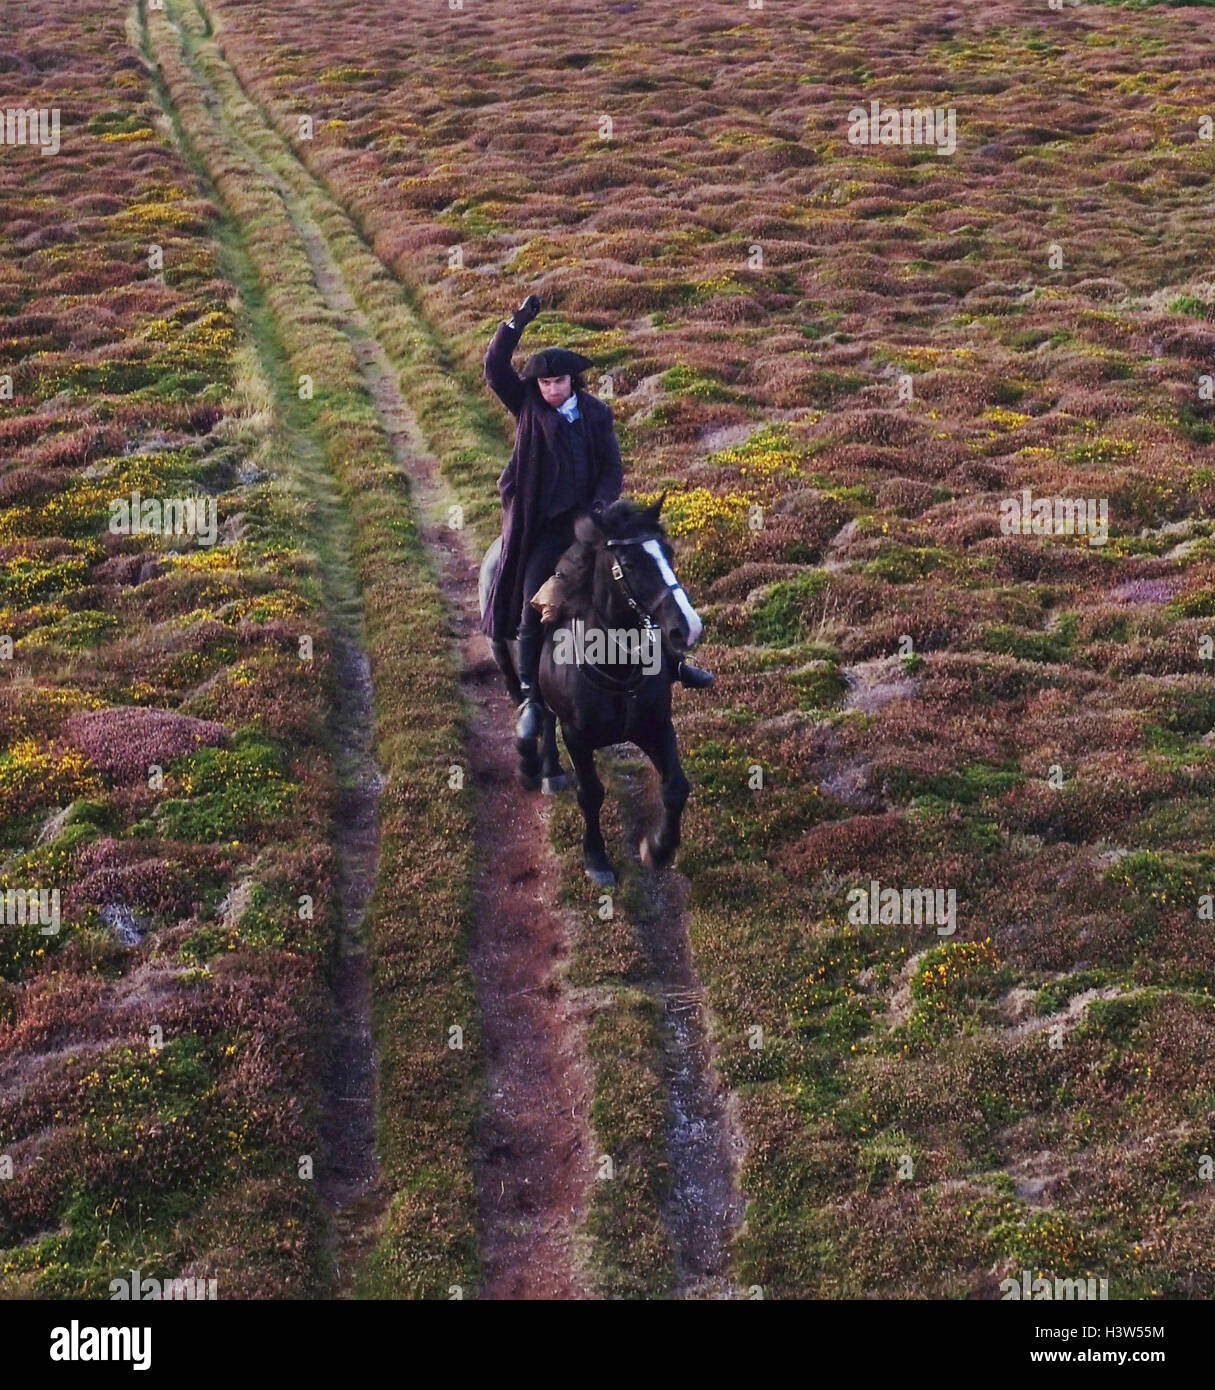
{"x": 526, "y": 311}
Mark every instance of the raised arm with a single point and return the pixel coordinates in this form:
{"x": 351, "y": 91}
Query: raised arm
{"x": 504, "y": 381}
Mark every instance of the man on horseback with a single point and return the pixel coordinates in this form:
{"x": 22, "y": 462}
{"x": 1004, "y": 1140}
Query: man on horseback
{"x": 566, "y": 459}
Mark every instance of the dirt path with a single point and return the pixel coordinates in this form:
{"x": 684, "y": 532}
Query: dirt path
{"x": 704, "y": 1136}
{"x": 534, "y": 1148}
{"x": 534, "y": 1154}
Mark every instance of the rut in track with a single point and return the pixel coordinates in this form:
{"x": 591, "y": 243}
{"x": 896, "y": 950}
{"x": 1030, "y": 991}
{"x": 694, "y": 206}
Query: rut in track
{"x": 534, "y": 1159}
{"x": 704, "y": 1134}
{"x": 534, "y": 1148}
{"x": 349, "y": 1177}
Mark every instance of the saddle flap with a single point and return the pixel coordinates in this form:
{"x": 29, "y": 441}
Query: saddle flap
{"x": 547, "y": 599}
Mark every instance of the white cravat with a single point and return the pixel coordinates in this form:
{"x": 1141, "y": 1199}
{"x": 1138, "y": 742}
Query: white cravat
{"x": 569, "y": 408}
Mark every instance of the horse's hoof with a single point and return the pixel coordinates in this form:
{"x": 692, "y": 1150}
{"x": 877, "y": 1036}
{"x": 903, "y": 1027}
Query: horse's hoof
{"x": 605, "y": 878}
{"x": 553, "y": 785}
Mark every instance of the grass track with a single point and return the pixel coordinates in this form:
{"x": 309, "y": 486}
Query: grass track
{"x": 631, "y": 1252}
{"x": 418, "y": 918}
{"x": 838, "y": 1092}
{"x": 635, "y": 1109}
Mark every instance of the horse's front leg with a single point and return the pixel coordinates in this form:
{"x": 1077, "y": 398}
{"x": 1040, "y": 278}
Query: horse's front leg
{"x": 660, "y": 747}
{"x": 554, "y": 777}
{"x": 590, "y": 798}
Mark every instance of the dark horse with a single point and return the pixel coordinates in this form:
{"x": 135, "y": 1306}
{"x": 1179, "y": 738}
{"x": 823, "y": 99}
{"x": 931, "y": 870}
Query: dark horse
{"x": 602, "y": 668}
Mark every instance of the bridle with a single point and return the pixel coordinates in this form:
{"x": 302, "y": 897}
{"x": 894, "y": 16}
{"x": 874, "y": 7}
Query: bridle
{"x": 630, "y": 684}
{"x": 619, "y": 576}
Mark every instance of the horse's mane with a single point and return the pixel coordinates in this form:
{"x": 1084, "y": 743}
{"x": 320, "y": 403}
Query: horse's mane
{"x": 576, "y": 568}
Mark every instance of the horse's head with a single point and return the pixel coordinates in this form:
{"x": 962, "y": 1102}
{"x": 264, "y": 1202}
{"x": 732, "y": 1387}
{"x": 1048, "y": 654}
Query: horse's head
{"x": 633, "y": 561}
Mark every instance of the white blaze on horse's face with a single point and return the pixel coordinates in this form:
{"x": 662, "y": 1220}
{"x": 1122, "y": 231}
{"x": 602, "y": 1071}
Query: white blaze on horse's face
{"x": 695, "y": 627}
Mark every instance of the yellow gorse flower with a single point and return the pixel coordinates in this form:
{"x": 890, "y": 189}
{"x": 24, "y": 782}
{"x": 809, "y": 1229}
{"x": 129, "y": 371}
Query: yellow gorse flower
{"x": 685, "y": 513}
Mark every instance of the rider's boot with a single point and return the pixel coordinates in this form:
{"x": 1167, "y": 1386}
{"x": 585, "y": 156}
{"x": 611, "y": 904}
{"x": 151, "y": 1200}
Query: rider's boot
{"x": 695, "y": 676}
{"x": 687, "y": 674}
{"x": 530, "y": 712}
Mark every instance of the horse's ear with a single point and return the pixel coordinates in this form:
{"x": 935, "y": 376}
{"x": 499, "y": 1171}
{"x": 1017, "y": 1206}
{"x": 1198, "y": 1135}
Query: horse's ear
{"x": 654, "y": 511}
{"x": 587, "y": 528}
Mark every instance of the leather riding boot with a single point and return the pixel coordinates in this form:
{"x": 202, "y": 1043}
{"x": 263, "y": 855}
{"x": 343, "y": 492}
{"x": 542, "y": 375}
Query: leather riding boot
{"x": 528, "y": 722}
{"x": 687, "y": 674}
{"x": 695, "y": 676}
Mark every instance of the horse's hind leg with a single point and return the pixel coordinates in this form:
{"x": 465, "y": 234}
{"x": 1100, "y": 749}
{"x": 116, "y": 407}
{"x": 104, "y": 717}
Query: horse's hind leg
{"x": 590, "y": 798}
{"x": 660, "y": 747}
{"x": 554, "y": 776}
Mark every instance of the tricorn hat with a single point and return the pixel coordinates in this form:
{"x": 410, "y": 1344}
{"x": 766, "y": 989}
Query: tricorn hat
{"x": 556, "y": 362}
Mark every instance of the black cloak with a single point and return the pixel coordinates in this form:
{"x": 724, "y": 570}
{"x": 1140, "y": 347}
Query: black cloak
{"x": 526, "y": 483}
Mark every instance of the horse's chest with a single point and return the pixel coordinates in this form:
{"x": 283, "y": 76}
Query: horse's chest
{"x": 603, "y": 717}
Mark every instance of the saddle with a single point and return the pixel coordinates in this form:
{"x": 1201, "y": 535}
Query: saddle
{"x": 547, "y": 599}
